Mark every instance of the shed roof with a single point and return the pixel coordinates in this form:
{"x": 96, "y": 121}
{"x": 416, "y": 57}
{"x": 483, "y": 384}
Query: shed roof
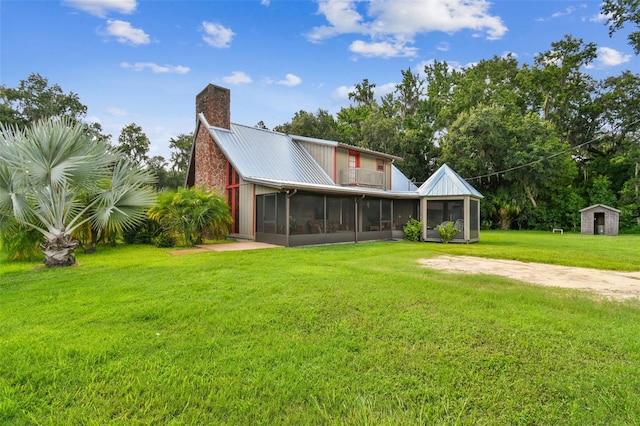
{"x": 600, "y": 206}
{"x": 446, "y": 182}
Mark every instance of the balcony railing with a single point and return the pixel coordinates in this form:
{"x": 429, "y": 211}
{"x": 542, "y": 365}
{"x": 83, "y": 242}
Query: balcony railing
{"x": 362, "y": 177}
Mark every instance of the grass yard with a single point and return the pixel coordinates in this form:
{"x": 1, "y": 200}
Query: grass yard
{"x": 345, "y": 334}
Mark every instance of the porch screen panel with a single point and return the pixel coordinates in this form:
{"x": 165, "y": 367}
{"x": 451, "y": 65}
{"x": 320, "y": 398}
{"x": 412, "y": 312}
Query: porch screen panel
{"x": 270, "y": 213}
{"x": 370, "y": 214}
{"x": 281, "y": 213}
{"x": 440, "y": 212}
{"x": 403, "y": 210}
{"x": 474, "y": 219}
{"x": 307, "y": 213}
{"x": 435, "y": 213}
{"x": 340, "y": 214}
{"x": 385, "y": 215}
{"x": 260, "y": 213}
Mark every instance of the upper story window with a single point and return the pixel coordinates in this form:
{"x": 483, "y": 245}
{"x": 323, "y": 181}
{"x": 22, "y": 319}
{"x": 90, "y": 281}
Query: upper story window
{"x": 380, "y": 165}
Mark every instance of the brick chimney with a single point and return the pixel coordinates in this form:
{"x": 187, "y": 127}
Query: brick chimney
{"x": 208, "y": 164}
{"x": 215, "y": 103}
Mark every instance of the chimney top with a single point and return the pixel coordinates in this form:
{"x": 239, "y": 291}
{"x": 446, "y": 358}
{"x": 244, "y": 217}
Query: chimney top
{"x": 215, "y": 103}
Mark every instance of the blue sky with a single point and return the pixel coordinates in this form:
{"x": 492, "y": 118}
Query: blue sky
{"x": 145, "y": 61}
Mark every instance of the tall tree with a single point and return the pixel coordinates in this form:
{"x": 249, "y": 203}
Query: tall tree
{"x": 621, "y": 12}
{"x": 134, "y": 144}
{"x": 180, "y": 147}
{"x": 54, "y": 178}
{"x": 34, "y": 99}
{"x": 409, "y": 92}
{"x": 363, "y": 93}
{"x": 319, "y": 125}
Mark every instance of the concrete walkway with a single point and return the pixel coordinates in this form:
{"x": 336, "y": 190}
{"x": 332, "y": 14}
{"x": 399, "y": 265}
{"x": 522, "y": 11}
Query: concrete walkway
{"x": 235, "y": 246}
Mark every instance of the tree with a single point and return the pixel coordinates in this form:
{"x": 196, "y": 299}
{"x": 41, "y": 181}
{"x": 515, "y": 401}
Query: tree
{"x": 54, "y": 178}
{"x": 516, "y": 160}
{"x": 194, "y": 213}
{"x": 34, "y": 99}
{"x": 134, "y": 144}
{"x": 180, "y": 156}
{"x": 619, "y": 12}
{"x": 363, "y": 94}
{"x": 320, "y": 125}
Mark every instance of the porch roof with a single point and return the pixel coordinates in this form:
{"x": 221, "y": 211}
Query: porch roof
{"x": 446, "y": 182}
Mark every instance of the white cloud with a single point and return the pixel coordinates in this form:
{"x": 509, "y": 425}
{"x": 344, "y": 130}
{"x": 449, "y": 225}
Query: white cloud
{"x": 610, "y": 57}
{"x": 601, "y": 18}
{"x": 116, "y": 112}
{"x": 155, "y": 68}
{"x": 392, "y": 24}
{"x": 443, "y": 46}
{"x": 290, "y": 80}
{"x": 102, "y": 7}
{"x": 568, "y": 11}
{"x": 125, "y": 33}
{"x": 237, "y": 77}
{"x": 342, "y": 93}
{"x": 382, "y": 49}
{"x": 216, "y": 35}
{"x": 265, "y": 2}
{"x": 385, "y": 89}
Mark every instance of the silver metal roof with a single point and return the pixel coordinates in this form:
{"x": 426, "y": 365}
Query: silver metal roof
{"x": 399, "y": 182}
{"x": 261, "y": 154}
{"x": 446, "y": 182}
{"x": 278, "y": 160}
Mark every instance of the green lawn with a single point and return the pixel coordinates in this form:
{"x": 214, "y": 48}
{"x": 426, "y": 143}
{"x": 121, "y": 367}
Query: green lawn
{"x": 345, "y": 334}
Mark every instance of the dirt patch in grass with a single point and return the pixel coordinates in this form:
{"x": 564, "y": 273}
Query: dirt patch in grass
{"x": 612, "y": 284}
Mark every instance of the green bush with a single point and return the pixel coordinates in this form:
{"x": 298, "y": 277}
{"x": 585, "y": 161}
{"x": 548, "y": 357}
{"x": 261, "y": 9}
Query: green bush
{"x": 413, "y": 230}
{"x": 447, "y": 232}
{"x": 165, "y": 240}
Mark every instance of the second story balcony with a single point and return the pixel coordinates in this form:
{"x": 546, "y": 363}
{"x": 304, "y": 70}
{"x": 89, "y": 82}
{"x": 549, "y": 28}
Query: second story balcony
{"x": 362, "y": 177}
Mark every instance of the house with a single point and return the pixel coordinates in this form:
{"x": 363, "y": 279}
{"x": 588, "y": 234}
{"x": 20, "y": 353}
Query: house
{"x": 293, "y": 190}
{"x": 599, "y": 220}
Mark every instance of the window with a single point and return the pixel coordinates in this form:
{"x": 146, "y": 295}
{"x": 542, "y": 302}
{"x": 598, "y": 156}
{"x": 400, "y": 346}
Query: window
{"x": 380, "y": 165}
{"x": 233, "y": 196}
{"x": 354, "y": 159}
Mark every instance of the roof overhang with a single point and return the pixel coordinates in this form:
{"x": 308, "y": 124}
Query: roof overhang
{"x": 332, "y": 189}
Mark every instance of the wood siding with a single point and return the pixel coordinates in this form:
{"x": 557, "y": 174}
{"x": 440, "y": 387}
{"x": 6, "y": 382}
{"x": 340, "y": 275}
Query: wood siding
{"x": 611, "y": 221}
{"x": 324, "y": 156}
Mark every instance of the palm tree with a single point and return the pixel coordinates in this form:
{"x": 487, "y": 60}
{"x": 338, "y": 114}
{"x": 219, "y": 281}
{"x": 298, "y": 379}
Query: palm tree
{"x": 193, "y": 212}
{"x": 54, "y": 177}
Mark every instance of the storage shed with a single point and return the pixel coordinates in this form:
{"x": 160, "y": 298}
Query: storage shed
{"x": 446, "y": 197}
{"x": 599, "y": 220}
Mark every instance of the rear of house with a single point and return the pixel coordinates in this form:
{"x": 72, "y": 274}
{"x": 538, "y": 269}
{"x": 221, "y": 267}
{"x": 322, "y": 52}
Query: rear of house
{"x": 293, "y": 190}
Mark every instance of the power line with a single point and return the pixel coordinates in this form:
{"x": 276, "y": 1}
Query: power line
{"x": 545, "y": 158}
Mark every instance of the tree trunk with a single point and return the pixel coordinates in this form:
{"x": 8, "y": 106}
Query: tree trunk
{"x": 60, "y": 251}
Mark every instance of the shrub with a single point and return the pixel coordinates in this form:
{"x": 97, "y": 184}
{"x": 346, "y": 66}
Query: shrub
{"x": 194, "y": 213}
{"x": 165, "y": 240}
{"x": 447, "y": 232}
{"x": 413, "y": 230}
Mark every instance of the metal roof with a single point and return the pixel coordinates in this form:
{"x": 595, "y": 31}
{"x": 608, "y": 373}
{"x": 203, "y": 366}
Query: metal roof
{"x": 278, "y": 160}
{"x": 262, "y": 154}
{"x": 399, "y": 182}
{"x": 601, "y": 206}
{"x": 446, "y": 182}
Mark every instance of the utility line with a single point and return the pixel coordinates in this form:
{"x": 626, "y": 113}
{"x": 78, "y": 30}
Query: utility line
{"x": 545, "y": 158}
